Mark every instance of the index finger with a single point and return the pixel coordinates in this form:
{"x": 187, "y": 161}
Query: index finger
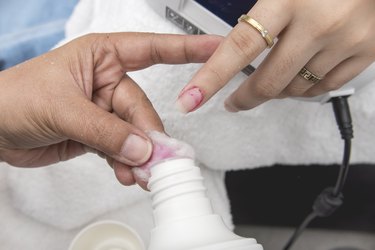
{"x": 243, "y": 44}
{"x": 140, "y": 50}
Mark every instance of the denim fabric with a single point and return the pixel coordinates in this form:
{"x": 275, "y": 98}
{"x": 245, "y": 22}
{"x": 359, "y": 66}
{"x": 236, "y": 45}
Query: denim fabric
{"x": 31, "y": 27}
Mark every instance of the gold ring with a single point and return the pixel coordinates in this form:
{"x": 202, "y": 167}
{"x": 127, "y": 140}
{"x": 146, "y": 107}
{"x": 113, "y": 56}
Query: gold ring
{"x": 308, "y": 75}
{"x": 253, "y": 23}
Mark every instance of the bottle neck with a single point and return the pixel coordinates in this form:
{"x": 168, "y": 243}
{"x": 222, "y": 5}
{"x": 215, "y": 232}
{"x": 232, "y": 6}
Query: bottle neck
{"x": 177, "y": 191}
{"x": 184, "y": 218}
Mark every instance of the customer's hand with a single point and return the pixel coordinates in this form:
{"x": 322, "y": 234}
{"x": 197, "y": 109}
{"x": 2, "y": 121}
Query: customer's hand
{"x": 78, "y": 98}
{"x": 333, "y": 39}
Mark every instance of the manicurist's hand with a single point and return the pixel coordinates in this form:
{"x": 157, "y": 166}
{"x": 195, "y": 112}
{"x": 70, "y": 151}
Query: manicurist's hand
{"x": 320, "y": 46}
{"x": 79, "y": 98}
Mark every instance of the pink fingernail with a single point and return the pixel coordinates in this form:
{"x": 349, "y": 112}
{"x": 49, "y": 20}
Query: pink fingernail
{"x": 189, "y": 100}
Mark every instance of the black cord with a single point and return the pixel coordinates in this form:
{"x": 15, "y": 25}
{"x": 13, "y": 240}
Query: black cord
{"x": 331, "y": 198}
{"x": 299, "y": 230}
{"x": 344, "y": 169}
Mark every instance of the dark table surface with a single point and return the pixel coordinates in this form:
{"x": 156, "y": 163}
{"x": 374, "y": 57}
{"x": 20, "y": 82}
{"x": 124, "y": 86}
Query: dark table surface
{"x": 283, "y": 195}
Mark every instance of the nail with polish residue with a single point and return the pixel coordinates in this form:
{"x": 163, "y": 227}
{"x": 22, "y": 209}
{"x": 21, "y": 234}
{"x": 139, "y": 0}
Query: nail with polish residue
{"x": 189, "y": 100}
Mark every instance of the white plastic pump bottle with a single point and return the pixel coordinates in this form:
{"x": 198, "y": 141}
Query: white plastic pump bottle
{"x": 184, "y": 218}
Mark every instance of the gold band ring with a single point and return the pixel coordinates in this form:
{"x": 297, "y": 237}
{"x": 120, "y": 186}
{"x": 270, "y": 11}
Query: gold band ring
{"x": 253, "y": 23}
{"x": 308, "y": 75}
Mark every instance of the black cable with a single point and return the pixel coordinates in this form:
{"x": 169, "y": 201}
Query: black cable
{"x": 299, "y": 230}
{"x": 344, "y": 169}
{"x": 331, "y": 198}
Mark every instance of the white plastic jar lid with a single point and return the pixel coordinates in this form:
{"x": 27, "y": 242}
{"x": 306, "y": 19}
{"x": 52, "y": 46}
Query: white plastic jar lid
{"x": 107, "y": 235}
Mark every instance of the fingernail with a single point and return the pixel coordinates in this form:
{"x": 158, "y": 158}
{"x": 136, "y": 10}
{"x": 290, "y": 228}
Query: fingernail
{"x": 189, "y": 100}
{"x": 136, "y": 149}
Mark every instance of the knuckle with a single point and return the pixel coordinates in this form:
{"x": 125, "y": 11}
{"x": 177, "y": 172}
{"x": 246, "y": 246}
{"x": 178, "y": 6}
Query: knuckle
{"x": 94, "y": 39}
{"x": 101, "y": 133}
{"x": 358, "y": 38}
{"x": 89, "y": 37}
{"x": 241, "y": 106}
{"x": 266, "y": 90}
{"x": 330, "y": 86}
{"x": 311, "y": 93}
{"x": 294, "y": 90}
{"x": 244, "y": 44}
{"x": 186, "y": 52}
{"x": 154, "y": 51}
{"x": 327, "y": 29}
{"x": 286, "y": 62}
{"x": 141, "y": 102}
{"x": 333, "y": 23}
{"x": 217, "y": 74}
{"x": 331, "y": 26}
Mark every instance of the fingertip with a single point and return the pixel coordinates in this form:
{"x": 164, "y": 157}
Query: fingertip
{"x": 220, "y": 68}
{"x": 141, "y": 176}
{"x": 110, "y": 161}
{"x": 230, "y": 107}
{"x": 136, "y": 149}
{"x": 240, "y": 101}
{"x": 141, "y": 182}
{"x": 123, "y": 174}
{"x": 189, "y": 99}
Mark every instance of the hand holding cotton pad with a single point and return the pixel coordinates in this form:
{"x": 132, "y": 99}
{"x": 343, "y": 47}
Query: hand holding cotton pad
{"x": 164, "y": 148}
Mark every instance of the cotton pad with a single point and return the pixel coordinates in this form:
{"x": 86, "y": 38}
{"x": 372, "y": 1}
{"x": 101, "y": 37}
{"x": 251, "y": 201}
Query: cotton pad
{"x": 164, "y": 148}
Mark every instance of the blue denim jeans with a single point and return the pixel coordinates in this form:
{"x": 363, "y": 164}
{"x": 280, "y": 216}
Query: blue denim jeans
{"x": 31, "y": 27}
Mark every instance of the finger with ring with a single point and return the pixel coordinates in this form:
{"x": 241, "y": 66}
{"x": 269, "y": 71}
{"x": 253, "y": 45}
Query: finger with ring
{"x": 309, "y": 76}
{"x": 256, "y": 25}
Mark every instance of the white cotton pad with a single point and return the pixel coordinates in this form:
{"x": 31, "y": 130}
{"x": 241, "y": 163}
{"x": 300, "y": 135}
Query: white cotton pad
{"x": 165, "y": 147}
{"x": 107, "y": 235}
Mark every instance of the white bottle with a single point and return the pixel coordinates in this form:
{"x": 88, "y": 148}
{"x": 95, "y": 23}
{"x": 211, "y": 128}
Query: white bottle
{"x": 184, "y": 218}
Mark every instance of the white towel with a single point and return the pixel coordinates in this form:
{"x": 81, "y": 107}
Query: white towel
{"x": 43, "y": 208}
{"x": 281, "y": 131}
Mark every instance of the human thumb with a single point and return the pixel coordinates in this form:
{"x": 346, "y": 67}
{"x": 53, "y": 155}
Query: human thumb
{"x": 105, "y": 132}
